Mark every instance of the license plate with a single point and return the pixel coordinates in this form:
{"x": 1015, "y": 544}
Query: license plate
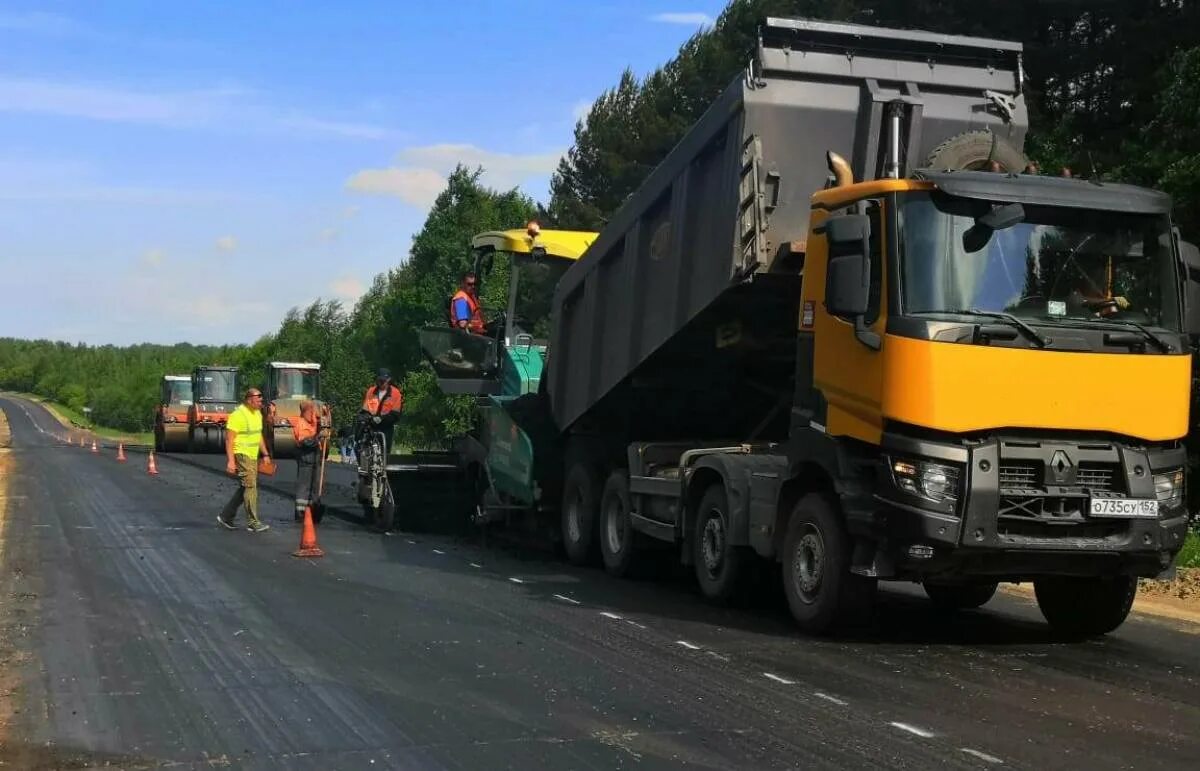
{"x": 1124, "y": 508}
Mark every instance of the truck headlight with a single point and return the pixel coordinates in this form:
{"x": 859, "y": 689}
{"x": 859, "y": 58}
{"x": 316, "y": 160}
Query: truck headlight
{"x": 1168, "y": 488}
{"x": 937, "y": 482}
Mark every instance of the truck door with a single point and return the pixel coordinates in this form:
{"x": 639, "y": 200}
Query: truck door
{"x": 847, "y": 367}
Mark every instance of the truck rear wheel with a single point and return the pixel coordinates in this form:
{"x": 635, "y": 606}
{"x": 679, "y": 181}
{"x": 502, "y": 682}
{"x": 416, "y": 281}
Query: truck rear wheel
{"x": 581, "y": 501}
{"x": 720, "y": 566}
{"x": 821, "y": 591}
{"x": 1085, "y": 607}
{"x": 618, "y": 540}
{"x": 973, "y": 150}
{"x": 959, "y": 596}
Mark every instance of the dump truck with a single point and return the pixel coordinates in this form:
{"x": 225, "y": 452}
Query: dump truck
{"x": 288, "y": 384}
{"x": 844, "y": 330}
{"x": 171, "y": 413}
{"x": 214, "y": 396}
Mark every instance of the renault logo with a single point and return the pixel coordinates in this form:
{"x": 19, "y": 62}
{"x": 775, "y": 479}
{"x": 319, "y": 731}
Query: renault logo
{"x": 1061, "y": 467}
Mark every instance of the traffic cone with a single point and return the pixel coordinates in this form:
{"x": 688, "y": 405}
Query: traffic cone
{"x": 94, "y": 449}
{"x": 308, "y": 539}
{"x": 151, "y": 469}
{"x": 121, "y": 452}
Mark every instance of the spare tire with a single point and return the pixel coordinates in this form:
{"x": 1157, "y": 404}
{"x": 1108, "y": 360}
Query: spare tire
{"x": 972, "y": 150}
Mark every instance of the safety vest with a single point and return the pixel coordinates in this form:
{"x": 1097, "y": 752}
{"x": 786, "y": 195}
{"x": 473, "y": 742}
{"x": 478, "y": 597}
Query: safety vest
{"x": 475, "y": 322}
{"x": 302, "y": 429}
{"x": 393, "y": 401}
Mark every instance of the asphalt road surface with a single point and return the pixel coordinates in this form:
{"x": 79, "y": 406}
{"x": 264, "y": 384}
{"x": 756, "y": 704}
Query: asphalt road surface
{"x": 135, "y": 632}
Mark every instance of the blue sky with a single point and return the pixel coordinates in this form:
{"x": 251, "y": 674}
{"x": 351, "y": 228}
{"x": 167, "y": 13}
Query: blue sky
{"x": 188, "y": 171}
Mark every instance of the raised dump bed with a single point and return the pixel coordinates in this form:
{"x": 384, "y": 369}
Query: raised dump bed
{"x": 667, "y": 316}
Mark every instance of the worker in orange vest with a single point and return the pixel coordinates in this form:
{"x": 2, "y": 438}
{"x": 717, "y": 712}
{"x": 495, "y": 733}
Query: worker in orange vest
{"x": 306, "y": 430}
{"x": 383, "y": 402}
{"x": 465, "y": 310}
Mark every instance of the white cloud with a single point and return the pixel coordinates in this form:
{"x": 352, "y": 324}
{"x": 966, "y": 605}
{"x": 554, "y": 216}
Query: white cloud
{"x": 227, "y": 243}
{"x": 581, "y": 109}
{"x": 419, "y": 187}
{"x": 328, "y": 234}
{"x": 423, "y": 171}
{"x": 347, "y": 288}
{"x": 222, "y": 109}
{"x": 153, "y": 257}
{"x": 689, "y": 18}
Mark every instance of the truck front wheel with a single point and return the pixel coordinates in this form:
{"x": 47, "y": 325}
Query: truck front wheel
{"x": 821, "y": 591}
{"x": 581, "y": 500}
{"x": 1085, "y": 607}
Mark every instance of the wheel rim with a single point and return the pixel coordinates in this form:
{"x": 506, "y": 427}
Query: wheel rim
{"x": 574, "y": 531}
{"x": 614, "y": 525}
{"x": 808, "y": 564}
{"x": 712, "y": 543}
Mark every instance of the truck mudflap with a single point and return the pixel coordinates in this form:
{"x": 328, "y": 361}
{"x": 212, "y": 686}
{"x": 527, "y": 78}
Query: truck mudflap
{"x": 1024, "y": 504}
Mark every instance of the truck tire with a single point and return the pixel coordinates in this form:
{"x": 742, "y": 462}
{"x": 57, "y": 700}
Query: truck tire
{"x": 1085, "y": 607}
{"x": 959, "y": 596}
{"x": 821, "y": 591}
{"x": 618, "y": 540}
{"x": 581, "y": 502}
{"x": 720, "y": 566}
{"x": 972, "y": 150}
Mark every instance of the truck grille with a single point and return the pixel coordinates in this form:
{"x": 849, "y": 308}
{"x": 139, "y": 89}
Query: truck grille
{"x": 1028, "y": 475}
{"x": 1022, "y": 476}
{"x": 1098, "y": 477}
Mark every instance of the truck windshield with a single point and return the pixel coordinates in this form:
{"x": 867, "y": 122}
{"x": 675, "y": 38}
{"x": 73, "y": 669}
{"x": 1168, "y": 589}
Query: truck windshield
{"x": 1057, "y": 264}
{"x": 296, "y": 384}
{"x": 179, "y": 392}
{"x": 216, "y": 387}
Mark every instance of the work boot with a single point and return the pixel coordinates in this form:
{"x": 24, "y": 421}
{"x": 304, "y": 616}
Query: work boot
{"x": 226, "y": 523}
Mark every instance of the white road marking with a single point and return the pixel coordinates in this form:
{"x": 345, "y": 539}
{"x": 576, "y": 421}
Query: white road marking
{"x": 85, "y": 527}
{"x": 982, "y": 756}
{"x": 414, "y": 543}
{"x": 778, "y": 679}
{"x": 716, "y": 655}
{"x": 613, "y": 616}
{"x": 687, "y": 645}
{"x": 476, "y": 565}
{"x": 438, "y": 551}
{"x": 516, "y": 580}
{"x": 827, "y": 697}
{"x": 912, "y": 729}
{"x": 634, "y": 623}
{"x": 567, "y": 599}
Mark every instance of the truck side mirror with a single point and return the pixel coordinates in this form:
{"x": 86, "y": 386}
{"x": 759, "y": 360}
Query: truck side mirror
{"x": 848, "y": 275}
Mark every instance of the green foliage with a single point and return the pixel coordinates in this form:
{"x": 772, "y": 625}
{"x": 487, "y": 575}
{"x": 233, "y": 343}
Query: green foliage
{"x": 1189, "y": 555}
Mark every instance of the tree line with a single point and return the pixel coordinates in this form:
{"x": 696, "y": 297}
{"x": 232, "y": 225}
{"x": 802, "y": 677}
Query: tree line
{"x": 1113, "y": 91}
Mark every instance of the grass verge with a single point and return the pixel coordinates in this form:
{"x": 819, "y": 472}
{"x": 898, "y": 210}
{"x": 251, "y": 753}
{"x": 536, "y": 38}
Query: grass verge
{"x": 1189, "y": 555}
{"x": 69, "y": 417}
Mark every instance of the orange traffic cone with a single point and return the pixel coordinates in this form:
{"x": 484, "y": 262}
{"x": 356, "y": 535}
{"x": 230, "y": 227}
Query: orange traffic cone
{"x": 94, "y": 449}
{"x": 151, "y": 469}
{"x": 308, "y": 539}
{"x": 121, "y": 452}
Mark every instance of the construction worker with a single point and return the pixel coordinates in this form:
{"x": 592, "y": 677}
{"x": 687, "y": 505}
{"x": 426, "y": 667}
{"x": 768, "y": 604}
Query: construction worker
{"x": 306, "y": 430}
{"x": 383, "y": 403}
{"x": 243, "y": 444}
{"x": 1093, "y": 290}
{"x": 465, "y": 310}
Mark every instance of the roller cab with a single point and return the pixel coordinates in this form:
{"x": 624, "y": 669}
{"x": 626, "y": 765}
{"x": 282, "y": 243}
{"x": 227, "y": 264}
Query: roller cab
{"x": 171, "y": 413}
